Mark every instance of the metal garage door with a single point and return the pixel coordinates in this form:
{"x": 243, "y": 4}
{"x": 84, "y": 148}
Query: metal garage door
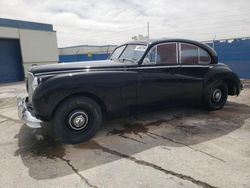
{"x": 11, "y": 69}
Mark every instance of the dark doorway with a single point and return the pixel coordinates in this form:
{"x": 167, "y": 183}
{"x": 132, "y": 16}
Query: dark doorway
{"x": 11, "y": 68}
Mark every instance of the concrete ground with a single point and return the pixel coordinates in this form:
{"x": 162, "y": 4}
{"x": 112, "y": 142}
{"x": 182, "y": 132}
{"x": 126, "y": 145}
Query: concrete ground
{"x": 177, "y": 147}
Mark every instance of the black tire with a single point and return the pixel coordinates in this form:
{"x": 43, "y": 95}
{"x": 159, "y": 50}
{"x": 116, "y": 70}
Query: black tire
{"x": 76, "y": 120}
{"x": 215, "y": 95}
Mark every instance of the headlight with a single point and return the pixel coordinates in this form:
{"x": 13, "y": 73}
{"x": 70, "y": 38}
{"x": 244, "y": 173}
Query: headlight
{"x": 35, "y": 83}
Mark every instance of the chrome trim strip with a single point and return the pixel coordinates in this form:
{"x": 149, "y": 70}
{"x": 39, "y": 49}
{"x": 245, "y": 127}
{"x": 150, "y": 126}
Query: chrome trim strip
{"x": 59, "y": 72}
{"x": 169, "y": 66}
{"x": 122, "y": 69}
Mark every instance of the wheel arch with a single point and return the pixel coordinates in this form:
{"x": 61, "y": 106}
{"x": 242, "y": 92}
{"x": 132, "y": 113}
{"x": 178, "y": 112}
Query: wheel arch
{"x": 95, "y": 98}
{"x": 232, "y": 89}
{"x": 229, "y": 78}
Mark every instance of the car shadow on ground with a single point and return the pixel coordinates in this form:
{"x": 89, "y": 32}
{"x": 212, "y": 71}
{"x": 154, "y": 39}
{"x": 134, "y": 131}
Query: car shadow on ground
{"x": 121, "y": 138}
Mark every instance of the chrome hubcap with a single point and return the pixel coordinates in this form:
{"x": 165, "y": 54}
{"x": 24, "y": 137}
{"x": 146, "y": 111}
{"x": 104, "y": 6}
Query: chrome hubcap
{"x": 78, "y": 120}
{"x": 217, "y": 94}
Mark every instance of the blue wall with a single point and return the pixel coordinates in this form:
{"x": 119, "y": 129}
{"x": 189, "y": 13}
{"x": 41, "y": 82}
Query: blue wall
{"x": 10, "y": 61}
{"x": 236, "y": 54}
{"x": 82, "y": 57}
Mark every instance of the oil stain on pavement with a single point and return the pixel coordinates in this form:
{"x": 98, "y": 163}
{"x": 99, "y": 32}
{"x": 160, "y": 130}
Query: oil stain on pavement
{"x": 180, "y": 128}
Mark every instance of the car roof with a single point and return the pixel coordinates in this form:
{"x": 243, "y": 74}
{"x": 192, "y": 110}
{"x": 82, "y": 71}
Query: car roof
{"x": 162, "y": 40}
{"x": 151, "y": 42}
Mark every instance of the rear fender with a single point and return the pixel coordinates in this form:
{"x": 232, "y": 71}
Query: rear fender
{"x": 227, "y": 75}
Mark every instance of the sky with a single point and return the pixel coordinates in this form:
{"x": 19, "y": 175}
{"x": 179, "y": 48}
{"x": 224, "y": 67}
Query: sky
{"x": 93, "y": 22}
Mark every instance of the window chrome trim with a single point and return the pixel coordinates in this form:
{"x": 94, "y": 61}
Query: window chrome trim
{"x": 155, "y": 54}
{"x": 177, "y": 53}
{"x": 199, "y": 57}
{"x": 179, "y": 49}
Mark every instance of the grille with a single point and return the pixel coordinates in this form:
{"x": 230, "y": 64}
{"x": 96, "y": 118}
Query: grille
{"x": 29, "y": 86}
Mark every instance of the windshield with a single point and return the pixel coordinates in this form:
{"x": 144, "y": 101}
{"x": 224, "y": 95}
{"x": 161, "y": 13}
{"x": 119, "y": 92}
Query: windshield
{"x": 130, "y": 52}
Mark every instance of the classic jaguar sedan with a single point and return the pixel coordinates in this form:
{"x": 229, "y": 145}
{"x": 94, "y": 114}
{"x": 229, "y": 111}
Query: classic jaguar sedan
{"x": 76, "y": 97}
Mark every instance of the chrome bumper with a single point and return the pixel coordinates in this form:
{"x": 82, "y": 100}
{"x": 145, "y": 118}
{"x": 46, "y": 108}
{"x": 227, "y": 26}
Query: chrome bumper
{"x": 25, "y": 115}
{"x": 242, "y": 86}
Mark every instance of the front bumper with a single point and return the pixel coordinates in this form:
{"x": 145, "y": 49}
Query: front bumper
{"x": 25, "y": 115}
{"x": 242, "y": 86}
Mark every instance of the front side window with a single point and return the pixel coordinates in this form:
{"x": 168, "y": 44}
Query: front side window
{"x": 130, "y": 52}
{"x": 150, "y": 57}
{"x": 162, "y": 54}
{"x": 133, "y": 52}
{"x": 167, "y": 53}
{"x": 192, "y": 55}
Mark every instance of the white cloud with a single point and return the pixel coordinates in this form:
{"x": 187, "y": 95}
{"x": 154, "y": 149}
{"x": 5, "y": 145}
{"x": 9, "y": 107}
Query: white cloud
{"x": 116, "y": 21}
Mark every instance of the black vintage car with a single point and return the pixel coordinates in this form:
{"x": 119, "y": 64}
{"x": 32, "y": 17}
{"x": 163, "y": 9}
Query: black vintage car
{"x": 75, "y": 97}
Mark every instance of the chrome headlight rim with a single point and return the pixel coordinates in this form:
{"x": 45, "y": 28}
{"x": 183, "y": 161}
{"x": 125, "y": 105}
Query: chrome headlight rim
{"x": 34, "y": 83}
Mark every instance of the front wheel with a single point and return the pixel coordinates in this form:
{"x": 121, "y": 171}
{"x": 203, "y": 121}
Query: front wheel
{"x": 215, "y": 95}
{"x": 76, "y": 120}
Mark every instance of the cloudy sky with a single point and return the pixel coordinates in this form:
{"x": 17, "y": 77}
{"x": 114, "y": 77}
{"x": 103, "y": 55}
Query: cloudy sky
{"x": 80, "y": 22}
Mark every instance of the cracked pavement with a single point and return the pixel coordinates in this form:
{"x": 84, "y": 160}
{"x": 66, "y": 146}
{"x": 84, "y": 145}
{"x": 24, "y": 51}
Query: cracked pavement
{"x": 175, "y": 147}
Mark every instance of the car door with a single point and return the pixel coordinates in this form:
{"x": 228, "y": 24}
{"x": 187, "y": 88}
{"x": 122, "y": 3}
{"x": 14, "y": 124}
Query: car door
{"x": 158, "y": 80}
{"x": 194, "y": 64}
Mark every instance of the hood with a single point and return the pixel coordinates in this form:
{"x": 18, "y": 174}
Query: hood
{"x": 105, "y": 64}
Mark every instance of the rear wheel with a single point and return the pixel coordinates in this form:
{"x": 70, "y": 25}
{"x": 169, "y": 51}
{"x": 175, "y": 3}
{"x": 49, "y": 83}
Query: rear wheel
{"x": 76, "y": 120}
{"x": 215, "y": 95}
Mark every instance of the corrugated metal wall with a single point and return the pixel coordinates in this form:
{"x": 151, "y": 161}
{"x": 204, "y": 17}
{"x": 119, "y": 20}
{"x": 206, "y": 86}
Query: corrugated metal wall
{"x": 82, "y": 57}
{"x": 84, "y": 53}
{"x": 235, "y": 53}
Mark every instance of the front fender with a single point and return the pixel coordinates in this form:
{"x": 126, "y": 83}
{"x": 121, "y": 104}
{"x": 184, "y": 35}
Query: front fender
{"x": 106, "y": 86}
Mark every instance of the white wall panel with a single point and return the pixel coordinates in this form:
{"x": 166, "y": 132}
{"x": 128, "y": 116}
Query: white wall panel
{"x": 7, "y": 32}
{"x": 38, "y": 46}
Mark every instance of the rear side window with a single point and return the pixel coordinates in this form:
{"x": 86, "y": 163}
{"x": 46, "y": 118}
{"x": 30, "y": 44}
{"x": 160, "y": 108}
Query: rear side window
{"x": 192, "y": 55}
{"x": 189, "y": 54}
{"x": 205, "y": 58}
